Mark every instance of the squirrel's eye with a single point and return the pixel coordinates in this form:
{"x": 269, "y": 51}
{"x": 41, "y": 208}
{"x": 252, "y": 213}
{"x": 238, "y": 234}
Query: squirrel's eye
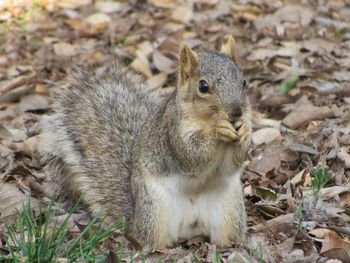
{"x": 203, "y": 86}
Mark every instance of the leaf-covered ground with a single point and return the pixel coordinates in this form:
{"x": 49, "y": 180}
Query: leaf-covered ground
{"x": 296, "y": 58}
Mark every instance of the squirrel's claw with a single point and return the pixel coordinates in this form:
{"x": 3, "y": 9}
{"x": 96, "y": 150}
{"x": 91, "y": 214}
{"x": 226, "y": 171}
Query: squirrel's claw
{"x": 225, "y": 131}
{"x": 243, "y": 133}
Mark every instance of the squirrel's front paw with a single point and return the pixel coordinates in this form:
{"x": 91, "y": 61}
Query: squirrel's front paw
{"x": 225, "y": 131}
{"x": 244, "y": 130}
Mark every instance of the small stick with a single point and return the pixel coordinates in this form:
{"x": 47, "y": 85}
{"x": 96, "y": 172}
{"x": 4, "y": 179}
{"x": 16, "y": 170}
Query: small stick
{"x": 14, "y": 83}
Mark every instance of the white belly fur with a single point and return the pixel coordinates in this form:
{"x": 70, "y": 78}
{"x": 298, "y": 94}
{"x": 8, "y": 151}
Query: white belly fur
{"x": 192, "y": 207}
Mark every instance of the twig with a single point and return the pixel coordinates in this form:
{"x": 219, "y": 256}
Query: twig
{"x": 14, "y": 83}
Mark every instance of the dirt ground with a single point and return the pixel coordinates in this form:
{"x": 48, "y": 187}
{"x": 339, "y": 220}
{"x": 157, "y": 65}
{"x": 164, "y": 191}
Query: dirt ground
{"x": 295, "y": 56}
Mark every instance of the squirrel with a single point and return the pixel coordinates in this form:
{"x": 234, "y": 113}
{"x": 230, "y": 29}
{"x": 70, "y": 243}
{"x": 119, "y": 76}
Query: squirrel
{"x": 170, "y": 164}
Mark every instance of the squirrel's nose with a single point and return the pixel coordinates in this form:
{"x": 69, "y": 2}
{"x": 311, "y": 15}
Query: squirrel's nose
{"x": 235, "y": 113}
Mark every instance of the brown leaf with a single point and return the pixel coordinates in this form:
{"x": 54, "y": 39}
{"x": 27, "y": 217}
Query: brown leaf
{"x": 288, "y": 49}
{"x": 112, "y": 258}
{"x": 11, "y": 199}
{"x": 298, "y": 178}
{"x": 333, "y": 191}
{"x": 141, "y": 64}
{"x": 265, "y": 193}
{"x": 33, "y": 102}
{"x": 274, "y": 99}
{"x": 64, "y": 49}
{"x": 237, "y": 258}
{"x": 32, "y": 143}
{"x": 268, "y": 162}
{"x": 336, "y": 247}
{"x": 182, "y": 14}
{"x": 345, "y": 200}
{"x": 73, "y": 4}
{"x": 98, "y": 20}
{"x": 4, "y": 132}
{"x": 306, "y": 113}
{"x": 163, "y": 63}
{"x": 293, "y": 14}
{"x": 165, "y": 3}
{"x": 145, "y": 48}
{"x": 17, "y": 135}
{"x": 302, "y": 148}
{"x": 262, "y": 123}
{"x": 284, "y": 249}
{"x": 111, "y": 7}
{"x": 343, "y": 154}
{"x": 283, "y": 223}
{"x": 320, "y": 232}
{"x": 157, "y": 81}
{"x": 265, "y": 135}
{"x": 206, "y": 2}
{"x": 269, "y": 210}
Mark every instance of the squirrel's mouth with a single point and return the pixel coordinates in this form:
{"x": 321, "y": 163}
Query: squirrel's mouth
{"x": 236, "y": 122}
{"x": 235, "y": 116}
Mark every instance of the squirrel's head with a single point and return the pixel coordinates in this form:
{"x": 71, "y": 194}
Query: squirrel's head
{"x": 210, "y": 83}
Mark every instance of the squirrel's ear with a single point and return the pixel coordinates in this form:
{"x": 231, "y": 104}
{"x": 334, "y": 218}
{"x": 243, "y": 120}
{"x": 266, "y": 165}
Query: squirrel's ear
{"x": 229, "y": 48}
{"x": 188, "y": 62}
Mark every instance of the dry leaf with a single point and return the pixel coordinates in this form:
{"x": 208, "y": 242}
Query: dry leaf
{"x": 306, "y": 113}
{"x": 11, "y": 199}
{"x": 343, "y": 154}
{"x": 182, "y": 14}
{"x": 111, "y": 7}
{"x": 206, "y": 2}
{"x": 163, "y": 63}
{"x": 266, "y": 163}
{"x": 333, "y": 191}
{"x": 141, "y": 65}
{"x": 17, "y": 135}
{"x": 283, "y": 223}
{"x": 165, "y": 3}
{"x": 157, "y": 81}
{"x": 265, "y": 135}
{"x": 298, "y": 178}
{"x": 145, "y": 48}
{"x": 288, "y": 49}
{"x": 261, "y": 123}
{"x": 302, "y": 148}
{"x": 98, "y": 20}
{"x": 237, "y": 258}
{"x": 336, "y": 247}
{"x": 73, "y": 4}
{"x": 293, "y": 14}
{"x": 320, "y": 232}
{"x": 345, "y": 200}
{"x": 33, "y": 103}
{"x": 284, "y": 249}
{"x": 64, "y": 49}
{"x": 32, "y": 143}
{"x": 265, "y": 193}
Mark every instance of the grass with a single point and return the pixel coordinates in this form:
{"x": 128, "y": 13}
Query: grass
{"x": 320, "y": 176}
{"x": 34, "y": 239}
{"x": 37, "y": 237}
{"x": 299, "y": 213}
{"x": 288, "y": 84}
{"x": 261, "y": 253}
